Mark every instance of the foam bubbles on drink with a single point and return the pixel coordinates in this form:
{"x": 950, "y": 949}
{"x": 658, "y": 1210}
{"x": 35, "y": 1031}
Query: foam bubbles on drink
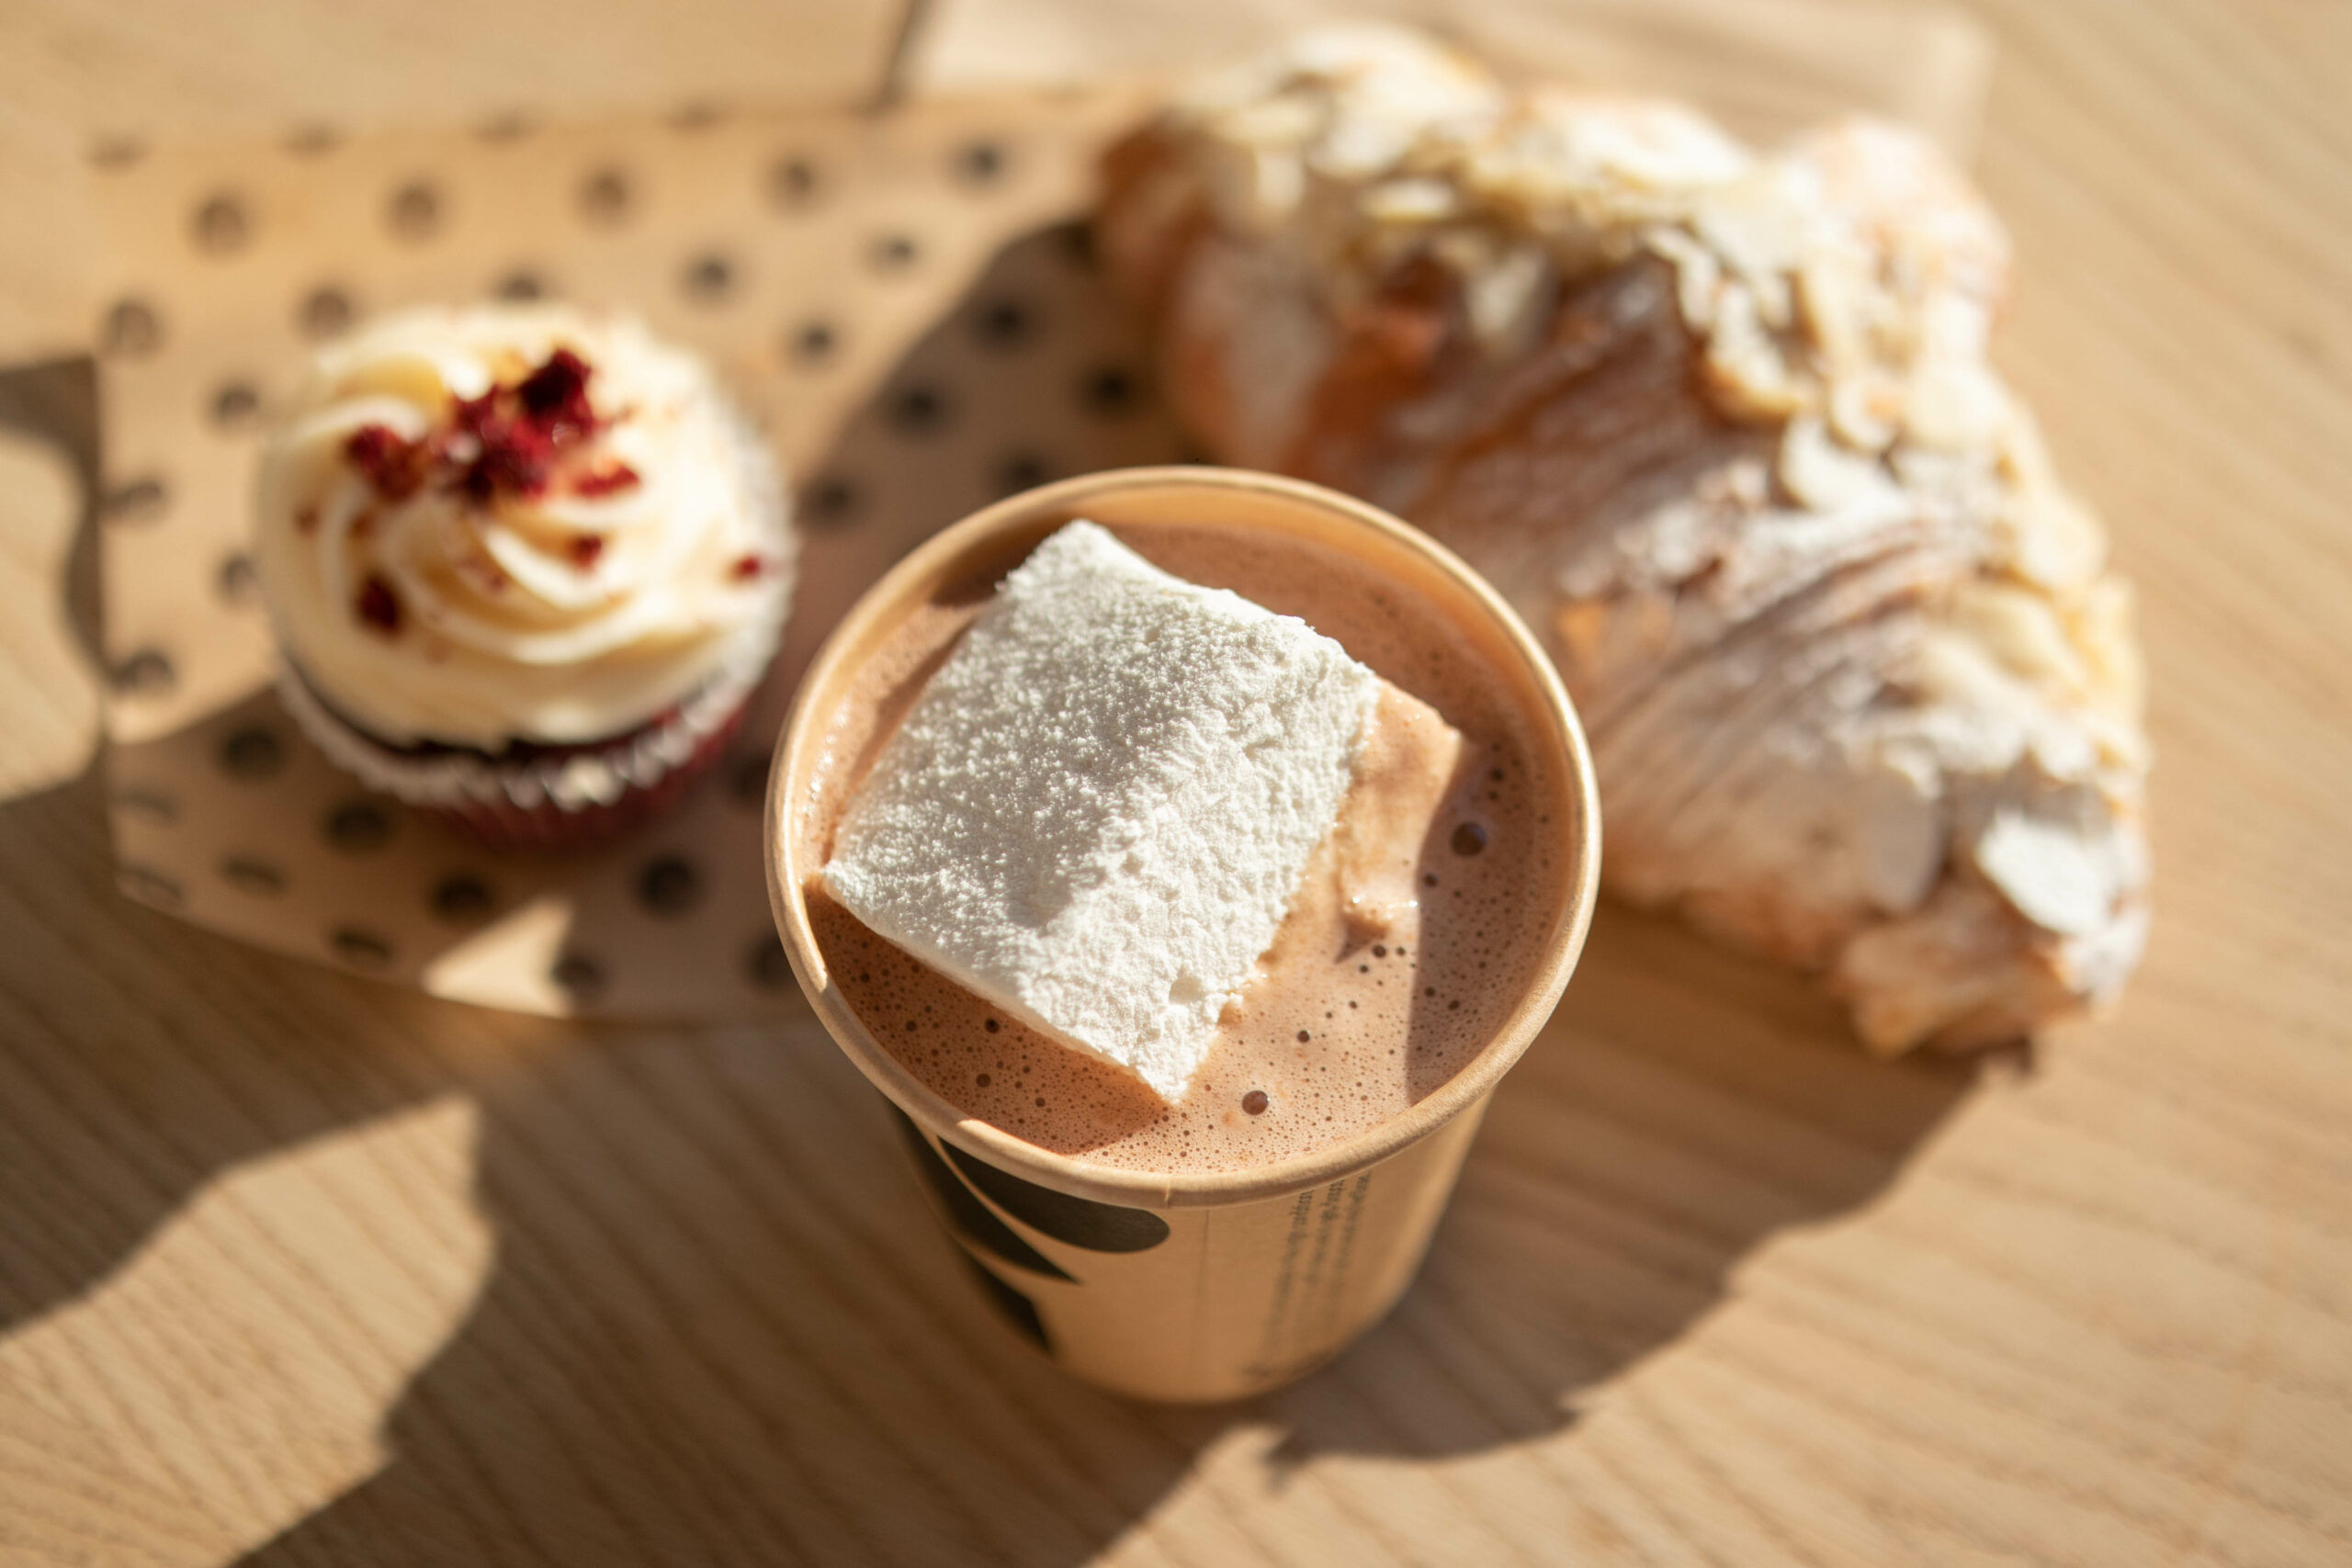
{"x": 1324, "y": 1046}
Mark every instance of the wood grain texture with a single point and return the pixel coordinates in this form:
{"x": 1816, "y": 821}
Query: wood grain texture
{"x": 297, "y": 1269}
{"x": 1763, "y": 67}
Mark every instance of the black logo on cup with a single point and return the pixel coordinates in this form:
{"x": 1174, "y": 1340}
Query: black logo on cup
{"x": 966, "y": 1214}
{"x": 1079, "y": 1222}
{"x": 1076, "y": 1221}
{"x": 1011, "y": 1305}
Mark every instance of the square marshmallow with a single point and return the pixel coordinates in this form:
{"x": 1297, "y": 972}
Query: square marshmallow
{"x": 1100, "y": 808}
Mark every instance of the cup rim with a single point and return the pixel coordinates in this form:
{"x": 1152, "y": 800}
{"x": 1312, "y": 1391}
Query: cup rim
{"x": 785, "y": 877}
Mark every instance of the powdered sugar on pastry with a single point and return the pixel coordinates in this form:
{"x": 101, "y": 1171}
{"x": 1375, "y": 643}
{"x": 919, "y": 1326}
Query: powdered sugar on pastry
{"x": 1862, "y": 692}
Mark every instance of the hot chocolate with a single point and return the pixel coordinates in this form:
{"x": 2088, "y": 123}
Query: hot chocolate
{"x": 1411, "y": 940}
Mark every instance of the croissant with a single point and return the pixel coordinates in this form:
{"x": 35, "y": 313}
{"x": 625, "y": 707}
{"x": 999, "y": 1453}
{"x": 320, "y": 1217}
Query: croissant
{"x": 1863, "y": 694}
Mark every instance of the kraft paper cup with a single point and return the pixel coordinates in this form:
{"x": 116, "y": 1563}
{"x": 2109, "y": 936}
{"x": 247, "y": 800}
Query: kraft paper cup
{"x": 1181, "y": 1287}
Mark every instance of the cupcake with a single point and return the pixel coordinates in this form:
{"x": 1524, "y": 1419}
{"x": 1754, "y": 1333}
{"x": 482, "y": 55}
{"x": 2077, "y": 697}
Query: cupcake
{"x": 525, "y": 567}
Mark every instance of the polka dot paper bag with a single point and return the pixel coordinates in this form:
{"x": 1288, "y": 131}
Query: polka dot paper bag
{"x": 903, "y": 301}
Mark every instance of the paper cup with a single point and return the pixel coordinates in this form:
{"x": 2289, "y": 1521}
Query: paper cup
{"x": 1182, "y": 1286}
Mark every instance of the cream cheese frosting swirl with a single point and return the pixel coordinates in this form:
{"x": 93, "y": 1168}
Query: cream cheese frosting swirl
{"x": 481, "y": 526}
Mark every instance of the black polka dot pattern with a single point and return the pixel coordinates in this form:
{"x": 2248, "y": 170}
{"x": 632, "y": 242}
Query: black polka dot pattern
{"x": 747, "y": 779}
{"x": 253, "y": 874}
{"x": 765, "y": 964}
{"x": 831, "y": 502}
{"x": 150, "y": 885}
{"x": 149, "y": 672}
{"x": 579, "y": 976}
{"x": 916, "y": 363}
{"x": 1077, "y": 241}
{"x": 812, "y": 344}
{"x": 361, "y": 948}
{"x": 239, "y": 588}
{"x": 793, "y": 183}
{"x": 1004, "y": 324}
{"x": 708, "y": 278}
{"x": 135, "y": 501}
{"x": 979, "y": 164}
{"x": 235, "y": 405}
{"x": 253, "y": 754}
{"x": 1017, "y": 471}
{"x": 1110, "y": 390}
{"x": 131, "y": 330}
{"x": 414, "y": 215}
{"x": 325, "y": 311}
{"x": 114, "y": 153}
{"x": 358, "y": 827}
{"x": 148, "y": 806}
{"x": 221, "y": 226}
{"x": 893, "y": 253}
{"x": 462, "y": 899}
{"x": 669, "y": 886}
{"x": 605, "y": 197}
{"x": 920, "y": 409}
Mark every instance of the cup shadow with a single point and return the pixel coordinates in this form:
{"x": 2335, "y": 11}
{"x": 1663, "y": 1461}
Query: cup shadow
{"x": 1684, "y": 1106}
{"x": 719, "y": 1324}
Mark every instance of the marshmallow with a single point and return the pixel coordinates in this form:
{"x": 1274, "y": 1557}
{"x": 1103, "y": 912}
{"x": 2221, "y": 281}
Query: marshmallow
{"x": 1097, "y": 813}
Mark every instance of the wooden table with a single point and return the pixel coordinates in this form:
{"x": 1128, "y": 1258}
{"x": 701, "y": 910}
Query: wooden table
{"x": 326, "y": 1272}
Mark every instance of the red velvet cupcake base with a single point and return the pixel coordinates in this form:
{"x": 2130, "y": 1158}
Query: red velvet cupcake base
{"x": 549, "y": 825}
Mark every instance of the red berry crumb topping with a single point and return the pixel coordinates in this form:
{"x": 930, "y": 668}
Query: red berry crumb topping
{"x": 380, "y": 605}
{"x": 749, "y": 567}
{"x": 606, "y": 479}
{"x": 586, "y": 548}
{"x": 556, "y": 392}
{"x": 506, "y": 442}
{"x": 386, "y": 461}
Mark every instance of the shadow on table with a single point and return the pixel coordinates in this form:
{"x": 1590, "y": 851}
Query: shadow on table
{"x": 1684, "y": 1106}
{"x": 718, "y": 1325}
